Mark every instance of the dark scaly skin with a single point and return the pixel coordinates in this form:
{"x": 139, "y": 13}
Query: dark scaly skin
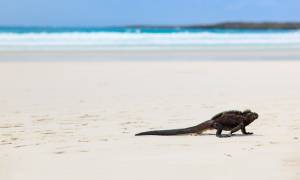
{"x": 225, "y": 121}
{"x": 233, "y": 121}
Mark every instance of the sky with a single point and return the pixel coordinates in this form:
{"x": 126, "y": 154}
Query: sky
{"x": 143, "y": 12}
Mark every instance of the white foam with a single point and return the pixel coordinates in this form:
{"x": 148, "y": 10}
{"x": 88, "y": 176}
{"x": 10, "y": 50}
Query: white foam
{"x": 106, "y": 40}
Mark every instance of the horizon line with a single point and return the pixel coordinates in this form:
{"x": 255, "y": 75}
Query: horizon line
{"x": 203, "y": 25}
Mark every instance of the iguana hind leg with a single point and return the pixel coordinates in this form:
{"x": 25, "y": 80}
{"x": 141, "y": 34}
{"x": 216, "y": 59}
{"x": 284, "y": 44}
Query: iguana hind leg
{"x": 219, "y": 128}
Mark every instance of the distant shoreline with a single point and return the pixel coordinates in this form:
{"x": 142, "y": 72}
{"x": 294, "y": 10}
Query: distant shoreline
{"x": 223, "y": 25}
{"x": 231, "y": 25}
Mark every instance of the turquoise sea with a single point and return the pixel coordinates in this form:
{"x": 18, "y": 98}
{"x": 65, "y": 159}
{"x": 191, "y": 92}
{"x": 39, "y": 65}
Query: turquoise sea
{"x": 89, "y": 38}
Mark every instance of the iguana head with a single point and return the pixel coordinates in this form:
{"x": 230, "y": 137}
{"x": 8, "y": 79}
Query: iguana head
{"x": 251, "y": 116}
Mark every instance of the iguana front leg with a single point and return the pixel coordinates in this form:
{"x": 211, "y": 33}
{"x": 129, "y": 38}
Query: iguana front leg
{"x": 238, "y": 127}
{"x": 241, "y": 127}
{"x": 244, "y": 131}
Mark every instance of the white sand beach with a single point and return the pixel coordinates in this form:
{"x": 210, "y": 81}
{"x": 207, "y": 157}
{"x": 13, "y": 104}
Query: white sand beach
{"x": 76, "y": 120}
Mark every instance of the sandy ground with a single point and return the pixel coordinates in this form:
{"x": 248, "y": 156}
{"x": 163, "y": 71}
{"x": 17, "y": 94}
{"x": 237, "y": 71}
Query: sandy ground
{"x": 77, "y": 120}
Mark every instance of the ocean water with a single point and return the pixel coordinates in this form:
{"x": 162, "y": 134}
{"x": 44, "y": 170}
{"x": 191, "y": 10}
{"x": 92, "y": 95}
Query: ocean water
{"x": 57, "y": 38}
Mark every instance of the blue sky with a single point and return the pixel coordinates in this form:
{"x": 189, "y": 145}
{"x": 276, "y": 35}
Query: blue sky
{"x": 134, "y": 12}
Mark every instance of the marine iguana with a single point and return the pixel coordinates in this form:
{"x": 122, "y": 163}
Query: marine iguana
{"x": 228, "y": 120}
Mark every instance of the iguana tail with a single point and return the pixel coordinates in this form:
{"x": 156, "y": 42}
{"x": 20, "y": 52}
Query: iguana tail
{"x": 194, "y": 129}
